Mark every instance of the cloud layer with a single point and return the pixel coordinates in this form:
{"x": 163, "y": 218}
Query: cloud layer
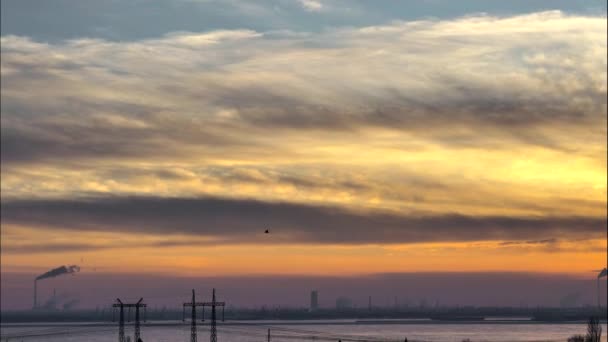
{"x": 476, "y": 128}
{"x": 439, "y": 82}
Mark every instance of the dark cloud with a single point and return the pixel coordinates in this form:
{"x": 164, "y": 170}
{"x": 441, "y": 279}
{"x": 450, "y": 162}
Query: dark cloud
{"x": 20, "y": 146}
{"x": 553, "y": 245}
{"x": 132, "y": 173}
{"x": 268, "y": 176}
{"x": 80, "y": 134}
{"x": 49, "y": 248}
{"x": 507, "y": 120}
{"x": 464, "y": 105}
{"x": 42, "y": 248}
{"x": 529, "y": 242}
{"x": 241, "y": 221}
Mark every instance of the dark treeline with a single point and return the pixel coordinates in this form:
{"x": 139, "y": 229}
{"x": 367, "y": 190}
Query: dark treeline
{"x": 538, "y": 314}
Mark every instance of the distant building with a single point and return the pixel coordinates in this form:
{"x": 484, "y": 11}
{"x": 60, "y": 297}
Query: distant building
{"x": 343, "y": 303}
{"x": 314, "y": 300}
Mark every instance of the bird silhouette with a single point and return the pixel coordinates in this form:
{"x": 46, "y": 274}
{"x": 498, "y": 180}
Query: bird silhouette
{"x": 266, "y": 231}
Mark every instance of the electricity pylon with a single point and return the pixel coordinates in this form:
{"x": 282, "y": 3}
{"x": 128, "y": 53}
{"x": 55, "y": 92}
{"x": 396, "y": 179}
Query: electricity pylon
{"x": 121, "y": 321}
{"x": 213, "y": 304}
{"x": 193, "y": 304}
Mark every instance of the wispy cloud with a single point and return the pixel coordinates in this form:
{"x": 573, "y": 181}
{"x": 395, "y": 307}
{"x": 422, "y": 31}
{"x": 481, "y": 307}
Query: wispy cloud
{"x": 500, "y": 78}
{"x": 506, "y": 105}
{"x": 311, "y": 5}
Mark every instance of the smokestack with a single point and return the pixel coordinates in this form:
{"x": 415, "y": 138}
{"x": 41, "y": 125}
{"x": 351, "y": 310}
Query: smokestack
{"x": 35, "y": 293}
{"x": 603, "y": 273}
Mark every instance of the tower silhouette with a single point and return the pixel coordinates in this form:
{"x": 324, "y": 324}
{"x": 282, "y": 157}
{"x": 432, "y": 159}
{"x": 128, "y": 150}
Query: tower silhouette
{"x": 193, "y": 323}
{"x": 121, "y": 322}
{"x": 193, "y": 304}
{"x": 213, "y": 304}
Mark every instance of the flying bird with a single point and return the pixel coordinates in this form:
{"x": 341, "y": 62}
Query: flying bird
{"x": 266, "y": 231}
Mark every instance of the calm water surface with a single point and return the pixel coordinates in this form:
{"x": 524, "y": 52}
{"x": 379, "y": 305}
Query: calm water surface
{"x": 155, "y": 332}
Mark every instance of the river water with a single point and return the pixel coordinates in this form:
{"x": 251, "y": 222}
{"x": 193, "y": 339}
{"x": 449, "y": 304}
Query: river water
{"x": 317, "y": 331}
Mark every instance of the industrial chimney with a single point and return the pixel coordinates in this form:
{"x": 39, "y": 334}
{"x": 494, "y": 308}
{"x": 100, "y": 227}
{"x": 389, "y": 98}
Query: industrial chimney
{"x": 35, "y": 293}
{"x": 314, "y": 300}
{"x": 603, "y": 273}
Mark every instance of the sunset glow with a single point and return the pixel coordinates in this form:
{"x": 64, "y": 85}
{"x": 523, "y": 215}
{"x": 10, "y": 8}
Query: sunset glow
{"x": 470, "y": 143}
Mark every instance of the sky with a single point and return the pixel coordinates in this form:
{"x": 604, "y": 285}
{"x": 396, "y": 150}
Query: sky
{"x": 161, "y": 138}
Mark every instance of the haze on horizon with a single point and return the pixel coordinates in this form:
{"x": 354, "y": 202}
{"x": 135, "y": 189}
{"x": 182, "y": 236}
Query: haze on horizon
{"x": 163, "y": 138}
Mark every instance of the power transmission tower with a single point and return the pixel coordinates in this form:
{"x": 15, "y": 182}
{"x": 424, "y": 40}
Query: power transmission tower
{"x": 137, "y": 326}
{"x": 213, "y": 304}
{"x": 193, "y": 304}
{"x": 121, "y": 322}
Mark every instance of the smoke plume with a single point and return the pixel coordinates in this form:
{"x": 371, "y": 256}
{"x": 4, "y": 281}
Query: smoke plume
{"x": 59, "y": 271}
{"x": 70, "y": 304}
{"x": 51, "y": 303}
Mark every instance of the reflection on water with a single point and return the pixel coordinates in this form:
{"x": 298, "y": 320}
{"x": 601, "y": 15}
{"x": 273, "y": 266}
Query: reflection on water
{"x": 322, "y": 331}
